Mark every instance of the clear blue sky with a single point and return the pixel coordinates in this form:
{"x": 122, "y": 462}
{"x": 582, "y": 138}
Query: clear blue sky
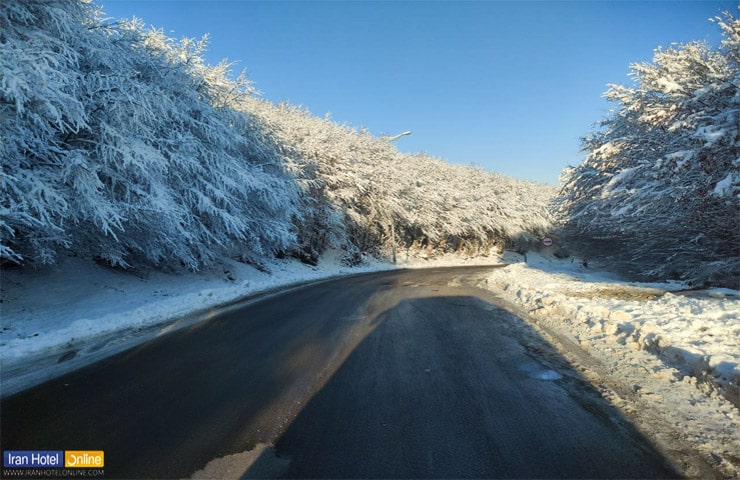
{"x": 511, "y": 86}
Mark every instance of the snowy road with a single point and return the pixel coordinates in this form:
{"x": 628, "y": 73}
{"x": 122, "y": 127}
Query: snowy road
{"x": 393, "y": 374}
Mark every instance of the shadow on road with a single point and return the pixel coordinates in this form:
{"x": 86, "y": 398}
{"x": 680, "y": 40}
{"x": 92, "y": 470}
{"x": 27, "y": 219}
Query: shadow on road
{"x": 453, "y": 387}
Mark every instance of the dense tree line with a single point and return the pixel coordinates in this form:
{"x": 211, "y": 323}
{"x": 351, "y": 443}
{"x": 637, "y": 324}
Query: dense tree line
{"x": 359, "y": 185}
{"x": 658, "y": 195}
{"x": 120, "y": 144}
{"x": 116, "y": 144}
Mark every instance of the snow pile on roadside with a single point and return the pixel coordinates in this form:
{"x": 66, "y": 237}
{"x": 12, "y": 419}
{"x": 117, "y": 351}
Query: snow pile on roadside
{"x": 420, "y": 259}
{"x": 675, "y": 353}
{"x": 59, "y": 319}
{"x": 696, "y": 332}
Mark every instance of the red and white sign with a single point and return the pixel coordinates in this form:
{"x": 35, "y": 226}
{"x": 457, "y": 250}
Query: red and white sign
{"x": 548, "y": 241}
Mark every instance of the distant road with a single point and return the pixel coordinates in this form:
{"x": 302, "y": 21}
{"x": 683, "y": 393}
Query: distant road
{"x": 403, "y": 374}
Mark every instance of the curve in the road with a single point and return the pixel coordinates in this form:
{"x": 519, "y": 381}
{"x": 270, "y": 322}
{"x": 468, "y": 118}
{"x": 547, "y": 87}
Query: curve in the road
{"x": 404, "y": 374}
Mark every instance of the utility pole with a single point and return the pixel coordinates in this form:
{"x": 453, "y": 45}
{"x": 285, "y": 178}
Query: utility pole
{"x": 393, "y": 220}
{"x": 393, "y": 239}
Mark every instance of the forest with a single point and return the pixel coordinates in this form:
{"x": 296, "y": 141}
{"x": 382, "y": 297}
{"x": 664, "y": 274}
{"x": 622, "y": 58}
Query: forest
{"x": 122, "y": 145}
{"x": 658, "y": 196}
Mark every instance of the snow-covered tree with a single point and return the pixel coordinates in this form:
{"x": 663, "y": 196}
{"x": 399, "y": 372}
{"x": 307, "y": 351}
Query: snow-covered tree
{"x": 658, "y": 195}
{"x": 357, "y": 185}
{"x": 120, "y": 143}
{"x": 117, "y": 143}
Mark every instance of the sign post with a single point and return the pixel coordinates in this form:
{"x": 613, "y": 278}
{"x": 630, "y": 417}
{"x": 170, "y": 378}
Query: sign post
{"x": 547, "y": 241}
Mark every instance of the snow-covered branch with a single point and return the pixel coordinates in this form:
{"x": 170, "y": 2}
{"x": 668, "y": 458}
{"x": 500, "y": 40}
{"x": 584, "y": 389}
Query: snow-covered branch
{"x": 659, "y": 192}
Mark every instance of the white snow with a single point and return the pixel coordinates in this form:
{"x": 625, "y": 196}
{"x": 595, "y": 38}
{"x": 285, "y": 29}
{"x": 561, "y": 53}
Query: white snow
{"x": 678, "y": 352}
{"x": 669, "y": 85}
{"x": 711, "y": 134}
{"x": 724, "y": 186}
{"x": 695, "y": 330}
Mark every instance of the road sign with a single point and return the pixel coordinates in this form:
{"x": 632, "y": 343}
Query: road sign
{"x": 548, "y": 241}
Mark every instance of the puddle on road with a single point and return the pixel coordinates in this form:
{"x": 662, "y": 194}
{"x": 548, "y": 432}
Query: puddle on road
{"x": 539, "y": 372}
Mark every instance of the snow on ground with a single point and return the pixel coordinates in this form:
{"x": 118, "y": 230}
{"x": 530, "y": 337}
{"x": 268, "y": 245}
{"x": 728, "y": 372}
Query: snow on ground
{"x": 677, "y": 352}
{"x": 422, "y": 259}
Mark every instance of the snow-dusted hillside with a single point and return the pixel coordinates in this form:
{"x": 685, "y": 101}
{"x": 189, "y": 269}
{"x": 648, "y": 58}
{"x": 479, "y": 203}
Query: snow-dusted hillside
{"x": 122, "y": 145}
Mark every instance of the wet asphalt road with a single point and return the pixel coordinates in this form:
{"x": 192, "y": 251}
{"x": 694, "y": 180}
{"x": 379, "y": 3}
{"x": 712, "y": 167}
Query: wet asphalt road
{"x": 405, "y": 374}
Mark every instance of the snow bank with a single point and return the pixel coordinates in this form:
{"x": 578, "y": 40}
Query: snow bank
{"x": 420, "y": 259}
{"x": 697, "y": 332}
{"x": 676, "y": 351}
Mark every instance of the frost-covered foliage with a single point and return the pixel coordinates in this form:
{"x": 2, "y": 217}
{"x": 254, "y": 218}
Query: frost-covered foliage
{"x": 358, "y": 185}
{"x": 659, "y": 192}
{"x": 120, "y": 143}
{"x": 116, "y": 144}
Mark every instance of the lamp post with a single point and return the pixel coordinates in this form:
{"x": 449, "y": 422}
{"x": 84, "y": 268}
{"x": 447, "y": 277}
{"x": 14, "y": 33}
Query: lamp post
{"x": 396, "y": 137}
{"x": 393, "y": 239}
{"x": 393, "y": 220}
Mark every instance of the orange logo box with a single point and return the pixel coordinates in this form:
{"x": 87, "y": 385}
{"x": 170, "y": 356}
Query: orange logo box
{"x": 84, "y": 459}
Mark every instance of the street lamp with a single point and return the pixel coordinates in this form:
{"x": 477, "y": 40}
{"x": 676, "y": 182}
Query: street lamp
{"x": 393, "y": 221}
{"x": 396, "y": 137}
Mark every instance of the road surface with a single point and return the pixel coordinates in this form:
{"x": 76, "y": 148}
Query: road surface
{"x": 403, "y": 374}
